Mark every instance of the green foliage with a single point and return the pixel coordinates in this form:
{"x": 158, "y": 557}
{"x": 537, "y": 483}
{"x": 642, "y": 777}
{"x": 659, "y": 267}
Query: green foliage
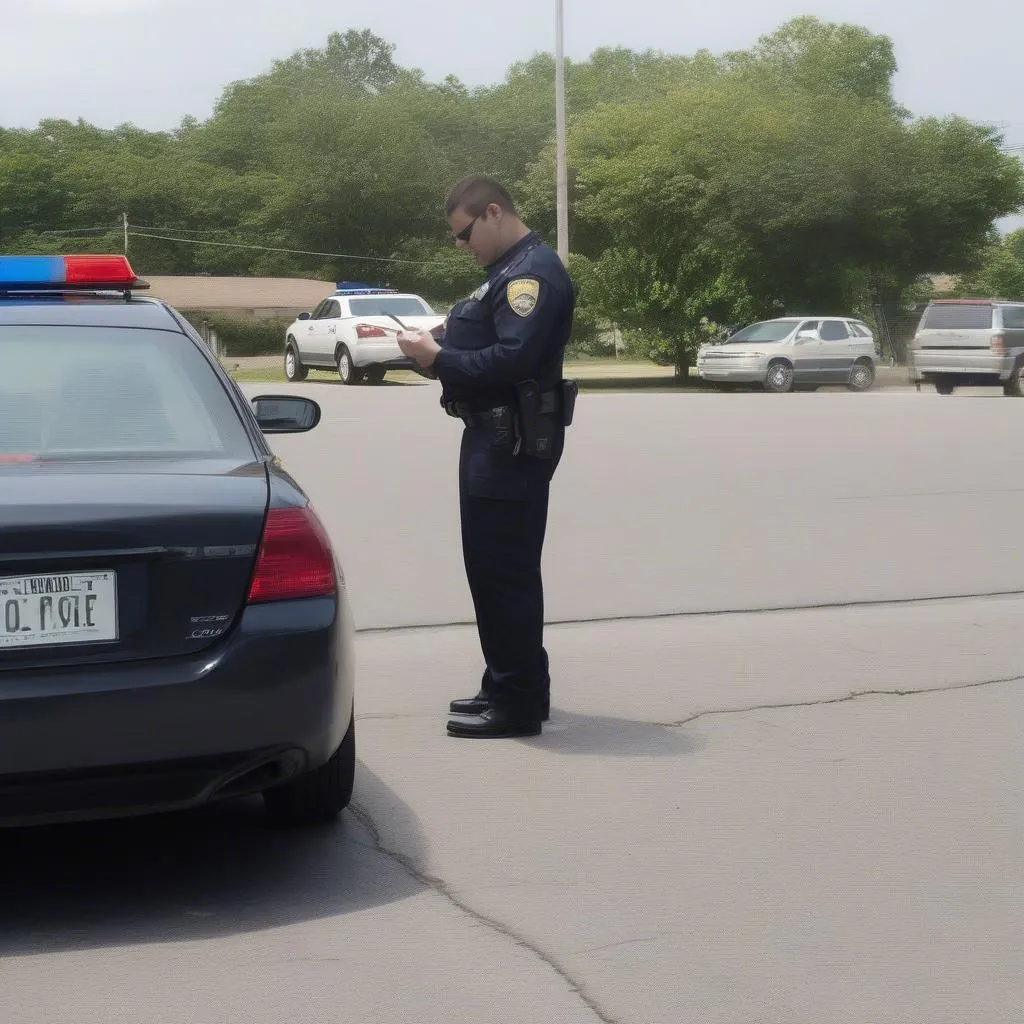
{"x": 773, "y": 188}
{"x": 591, "y": 329}
{"x": 820, "y": 59}
{"x": 242, "y": 336}
{"x": 1001, "y": 273}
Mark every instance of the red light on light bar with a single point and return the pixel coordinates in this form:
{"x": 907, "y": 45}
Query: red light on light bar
{"x": 98, "y": 270}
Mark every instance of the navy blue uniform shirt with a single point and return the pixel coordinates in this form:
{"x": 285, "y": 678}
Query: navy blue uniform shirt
{"x": 514, "y": 327}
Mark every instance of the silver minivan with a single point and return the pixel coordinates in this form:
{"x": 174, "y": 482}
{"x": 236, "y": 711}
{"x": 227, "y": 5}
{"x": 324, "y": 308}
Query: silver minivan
{"x": 970, "y": 343}
{"x": 792, "y": 352}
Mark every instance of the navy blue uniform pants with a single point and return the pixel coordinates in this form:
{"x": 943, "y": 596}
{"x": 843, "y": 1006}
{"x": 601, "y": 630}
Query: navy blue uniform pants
{"x": 503, "y": 501}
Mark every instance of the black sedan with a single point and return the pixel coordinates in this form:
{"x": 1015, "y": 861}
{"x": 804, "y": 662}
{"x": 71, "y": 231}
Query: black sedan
{"x": 174, "y": 624}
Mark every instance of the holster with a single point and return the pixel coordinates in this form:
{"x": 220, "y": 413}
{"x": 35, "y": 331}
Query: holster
{"x": 537, "y": 425}
{"x": 569, "y": 390}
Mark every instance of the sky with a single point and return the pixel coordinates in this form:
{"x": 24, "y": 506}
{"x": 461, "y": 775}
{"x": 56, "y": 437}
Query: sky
{"x": 152, "y": 62}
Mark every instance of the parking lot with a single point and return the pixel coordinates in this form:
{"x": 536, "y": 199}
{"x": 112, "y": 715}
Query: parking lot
{"x": 781, "y": 781}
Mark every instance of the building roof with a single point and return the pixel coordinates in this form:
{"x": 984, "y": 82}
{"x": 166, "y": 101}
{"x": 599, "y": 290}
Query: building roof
{"x": 239, "y": 292}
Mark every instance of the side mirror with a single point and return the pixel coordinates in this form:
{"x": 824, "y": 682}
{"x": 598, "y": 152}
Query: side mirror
{"x": 805, "y": 336}
{"x": 285, "y": 414}
{"x": 304, "y": 316}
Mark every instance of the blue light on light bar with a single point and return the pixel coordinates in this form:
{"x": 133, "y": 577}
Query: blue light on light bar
{"x": 31, "y": 270}
{"x": 358, "y": 288}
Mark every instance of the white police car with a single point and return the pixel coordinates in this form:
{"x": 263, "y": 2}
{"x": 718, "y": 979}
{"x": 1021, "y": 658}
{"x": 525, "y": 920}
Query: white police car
{"x": 354, "y": 331}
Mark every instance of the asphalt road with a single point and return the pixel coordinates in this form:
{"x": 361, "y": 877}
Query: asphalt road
{"x": 781, "y": 783}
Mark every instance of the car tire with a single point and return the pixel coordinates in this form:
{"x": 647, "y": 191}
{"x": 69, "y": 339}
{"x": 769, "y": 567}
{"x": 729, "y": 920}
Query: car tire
{"x": 944, "y": 386}
{"x": 319, "y": 796}
{"x": 347, "y": 370}
{"x": 862, "y": 376}
{"x": 293, "y": 368}
{"x": 375, "y": 374}
{"x": 1014, "y": 386}
{"x": 779, "y": 378}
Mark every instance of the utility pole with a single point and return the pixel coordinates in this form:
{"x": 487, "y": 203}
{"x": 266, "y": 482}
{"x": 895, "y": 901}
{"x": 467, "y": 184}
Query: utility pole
{"x": 562, "y": 184}
{"x": 124, "y": 218}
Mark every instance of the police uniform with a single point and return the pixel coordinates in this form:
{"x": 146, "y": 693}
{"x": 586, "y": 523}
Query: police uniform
{"x": 500, "y": 367}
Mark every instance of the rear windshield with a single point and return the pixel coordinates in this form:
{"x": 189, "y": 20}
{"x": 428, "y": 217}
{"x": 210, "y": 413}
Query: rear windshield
{"x": 382, "y": 305}
{"x": 965, "y": 318}
{"x": 111, "y": 393}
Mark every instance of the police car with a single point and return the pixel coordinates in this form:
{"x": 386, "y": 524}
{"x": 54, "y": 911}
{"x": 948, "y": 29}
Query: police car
{"x": 354, "y": 331}
{"x": 174, "y": 625}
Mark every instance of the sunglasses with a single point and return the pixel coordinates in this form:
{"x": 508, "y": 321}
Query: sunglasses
{"x": 467, "y": 231}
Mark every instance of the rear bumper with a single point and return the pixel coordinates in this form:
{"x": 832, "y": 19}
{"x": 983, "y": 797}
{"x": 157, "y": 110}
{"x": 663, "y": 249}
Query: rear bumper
{"x": 398, "y": 363}
{"x": 975, "y": 366}
{"x": 273, "y": 700}
{"x": 386, "y": 354}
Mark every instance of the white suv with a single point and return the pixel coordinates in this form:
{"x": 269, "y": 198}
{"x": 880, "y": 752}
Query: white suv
{"x": 354, "y": 332}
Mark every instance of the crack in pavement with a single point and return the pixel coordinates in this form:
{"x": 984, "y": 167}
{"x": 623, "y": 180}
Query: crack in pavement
{"x": 819, "y": 702}
{"x": 623, "y": 942}
{"x": 845, "y": 699}
{"x": 598, "y": 620}
{"x": 439, "y": 886}
{"x": 443, "y": 889}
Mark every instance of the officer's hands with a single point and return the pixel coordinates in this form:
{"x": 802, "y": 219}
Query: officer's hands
{"x": 419, "y": 345}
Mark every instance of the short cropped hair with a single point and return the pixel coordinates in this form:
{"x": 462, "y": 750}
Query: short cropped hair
{"x": 475, "y": 193}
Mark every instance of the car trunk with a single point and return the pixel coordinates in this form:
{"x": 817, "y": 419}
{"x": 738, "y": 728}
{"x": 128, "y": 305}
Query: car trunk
{"x": 105, "y": 561}
{"x": 414, "y": 323}
{"x": 963, "y": 326}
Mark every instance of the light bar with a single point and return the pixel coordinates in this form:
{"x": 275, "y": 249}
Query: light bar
{"x": 358, "y": 288}
{"x": 55, "y": 272}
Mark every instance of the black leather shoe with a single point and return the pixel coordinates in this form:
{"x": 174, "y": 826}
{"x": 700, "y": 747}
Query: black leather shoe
{"x": 479, "y": 704}
{"x": 493, "y": 724}
{"x": 470, "y": 705}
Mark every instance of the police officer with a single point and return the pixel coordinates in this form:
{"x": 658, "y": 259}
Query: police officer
{"x": 499, "y": 359}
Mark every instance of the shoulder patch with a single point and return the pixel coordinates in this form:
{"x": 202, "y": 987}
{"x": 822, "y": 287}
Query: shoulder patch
{"x": 522, "y": 295}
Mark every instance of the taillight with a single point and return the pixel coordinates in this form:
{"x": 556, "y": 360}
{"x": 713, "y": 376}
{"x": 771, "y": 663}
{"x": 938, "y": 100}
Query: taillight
{"x": 999, "y": 344}
{"x": 367, "y": 331}
{"x": 295, "y": 558}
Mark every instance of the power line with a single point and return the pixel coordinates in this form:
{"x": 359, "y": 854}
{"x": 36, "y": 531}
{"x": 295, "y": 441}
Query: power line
{"x": 182, "y": 228}
{"x": 295, "y": 252}
{"x": 59, "y": 231}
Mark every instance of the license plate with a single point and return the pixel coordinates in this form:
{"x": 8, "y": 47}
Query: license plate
{"x": 58, "y": 608}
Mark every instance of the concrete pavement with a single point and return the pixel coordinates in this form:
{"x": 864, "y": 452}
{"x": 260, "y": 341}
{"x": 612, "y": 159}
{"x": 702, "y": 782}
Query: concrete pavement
{"x": 809, "y": 815}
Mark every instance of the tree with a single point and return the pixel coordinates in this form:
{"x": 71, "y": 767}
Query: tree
{"x": 1001, "y": 274}
{"x": 822, "y": 59}
{"x": 704, "y": 188}
{"x": 747, "y": 197}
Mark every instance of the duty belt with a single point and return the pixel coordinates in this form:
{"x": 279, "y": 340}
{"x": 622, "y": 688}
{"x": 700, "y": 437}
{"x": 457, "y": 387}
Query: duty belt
{"x": 473, "y": 414}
